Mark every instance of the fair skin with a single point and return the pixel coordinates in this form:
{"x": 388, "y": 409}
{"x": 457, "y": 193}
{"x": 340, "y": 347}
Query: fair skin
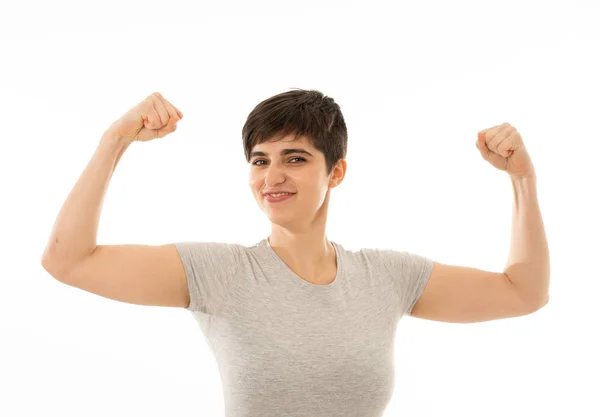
{"x": 297, "y": 224}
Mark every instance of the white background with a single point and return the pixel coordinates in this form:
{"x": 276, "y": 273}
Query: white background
{"x": 415, "y": 80}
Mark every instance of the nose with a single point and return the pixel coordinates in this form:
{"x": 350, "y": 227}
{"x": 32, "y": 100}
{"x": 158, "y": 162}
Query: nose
{"x": 274, "y": 175}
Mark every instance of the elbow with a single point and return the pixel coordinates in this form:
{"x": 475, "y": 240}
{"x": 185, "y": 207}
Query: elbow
{"x": 540, "y": 303}
{"x": 49, "y": 267}
{"x": 55, "y": 268}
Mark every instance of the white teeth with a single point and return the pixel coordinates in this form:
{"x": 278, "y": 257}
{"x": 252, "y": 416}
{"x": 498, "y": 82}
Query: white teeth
{"x": 279, "y": 195}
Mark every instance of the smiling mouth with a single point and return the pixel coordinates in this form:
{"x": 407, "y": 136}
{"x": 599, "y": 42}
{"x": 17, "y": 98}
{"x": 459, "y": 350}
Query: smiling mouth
{"x": 284, "y": 197}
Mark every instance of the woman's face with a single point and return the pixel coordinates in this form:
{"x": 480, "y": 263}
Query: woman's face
{"x": 290, "y": 166}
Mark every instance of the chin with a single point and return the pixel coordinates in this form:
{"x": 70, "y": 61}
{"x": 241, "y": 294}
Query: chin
{"x": 278, "y": 214}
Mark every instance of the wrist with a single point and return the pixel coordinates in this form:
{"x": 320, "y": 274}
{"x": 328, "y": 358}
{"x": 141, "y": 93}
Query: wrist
{"x": 114, "y": 139}
{"x": 529, "y": 176}
{"x": 113, "y": 145}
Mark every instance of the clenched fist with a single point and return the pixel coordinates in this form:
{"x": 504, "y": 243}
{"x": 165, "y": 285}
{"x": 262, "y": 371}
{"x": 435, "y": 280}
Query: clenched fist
{"x": 153, "y": 118}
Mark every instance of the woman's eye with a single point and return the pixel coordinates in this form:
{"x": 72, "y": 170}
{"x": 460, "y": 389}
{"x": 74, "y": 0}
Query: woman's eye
{"x": 259, "y": 160}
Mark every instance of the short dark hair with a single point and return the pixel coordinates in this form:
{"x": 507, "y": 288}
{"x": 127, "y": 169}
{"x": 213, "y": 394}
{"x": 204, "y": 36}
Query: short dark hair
{"x": 307, "y": 113}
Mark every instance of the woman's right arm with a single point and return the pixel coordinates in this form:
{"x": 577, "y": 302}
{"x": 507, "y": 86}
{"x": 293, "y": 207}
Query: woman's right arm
{"x": 138, "y": 274}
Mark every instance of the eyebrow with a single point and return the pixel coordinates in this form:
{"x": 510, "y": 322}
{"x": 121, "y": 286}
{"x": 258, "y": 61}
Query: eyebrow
{"x": 283, "y": 152}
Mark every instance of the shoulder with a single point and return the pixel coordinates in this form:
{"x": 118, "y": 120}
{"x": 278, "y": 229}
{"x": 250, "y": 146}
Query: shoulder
{"x": 211, "y": 255}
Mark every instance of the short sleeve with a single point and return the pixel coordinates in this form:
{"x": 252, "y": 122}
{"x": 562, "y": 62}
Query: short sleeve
{"x": 210, "y": 268}
{"x": 410, "y": 273}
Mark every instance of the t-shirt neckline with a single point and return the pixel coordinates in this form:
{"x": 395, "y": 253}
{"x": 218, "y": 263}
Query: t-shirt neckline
{"x": 301, "y": 281}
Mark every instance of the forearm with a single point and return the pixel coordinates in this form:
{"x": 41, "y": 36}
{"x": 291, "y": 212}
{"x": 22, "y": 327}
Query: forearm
{"x": 76, "y": 227}
{"x": 528, "y": 265}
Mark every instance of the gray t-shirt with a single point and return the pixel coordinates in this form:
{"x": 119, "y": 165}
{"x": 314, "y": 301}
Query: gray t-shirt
{"x": 286, "y": 347}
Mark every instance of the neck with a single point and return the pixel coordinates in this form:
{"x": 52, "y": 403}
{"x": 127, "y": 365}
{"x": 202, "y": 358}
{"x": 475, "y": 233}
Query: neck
{"x": 307, "y": 250}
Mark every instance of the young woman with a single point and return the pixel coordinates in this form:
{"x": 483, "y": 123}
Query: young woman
{"x": 299, "y": 325}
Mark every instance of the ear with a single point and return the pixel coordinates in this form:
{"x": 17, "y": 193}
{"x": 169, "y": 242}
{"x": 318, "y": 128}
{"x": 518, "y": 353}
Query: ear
{"x": 338, "y": 173}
